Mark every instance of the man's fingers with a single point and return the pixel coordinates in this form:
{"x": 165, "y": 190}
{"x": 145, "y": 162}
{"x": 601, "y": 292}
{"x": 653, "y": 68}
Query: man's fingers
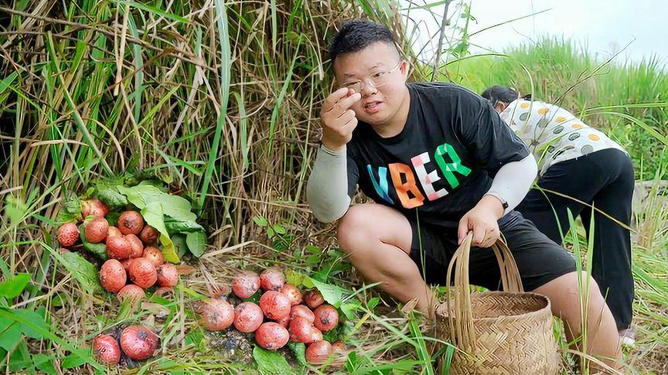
{"x": 346, "y": 116}
{"x": 349, "y": 126}
{"x": 343, "y": 104}
{"x": 334, "y": 99}
{"x": 463, "y": 229}
{"x": 479, "y": 236}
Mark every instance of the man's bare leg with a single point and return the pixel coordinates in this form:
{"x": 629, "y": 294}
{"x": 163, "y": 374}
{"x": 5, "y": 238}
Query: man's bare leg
{"x": 602, "y": 336}
{"x": 377, "y": 240}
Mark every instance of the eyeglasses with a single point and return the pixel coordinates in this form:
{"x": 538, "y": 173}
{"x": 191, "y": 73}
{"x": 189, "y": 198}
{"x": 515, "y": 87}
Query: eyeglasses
{"x": 375, "y": 80}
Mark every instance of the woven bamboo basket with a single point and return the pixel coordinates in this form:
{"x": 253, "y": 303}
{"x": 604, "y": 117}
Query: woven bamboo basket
{"x": 507, "y": 332}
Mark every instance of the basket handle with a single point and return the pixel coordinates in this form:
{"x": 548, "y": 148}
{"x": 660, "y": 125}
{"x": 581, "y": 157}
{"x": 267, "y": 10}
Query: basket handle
{"x": 463, "y": 333}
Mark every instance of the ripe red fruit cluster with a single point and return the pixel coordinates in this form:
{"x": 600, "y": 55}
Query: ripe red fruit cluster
{"x": 133, "y": 264}
{"x": 279, "y": 317}
{"x": 137, "y": 342}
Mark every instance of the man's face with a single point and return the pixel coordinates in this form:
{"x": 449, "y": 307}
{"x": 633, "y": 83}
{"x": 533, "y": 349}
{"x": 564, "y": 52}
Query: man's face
{"x": 378, "y": 63}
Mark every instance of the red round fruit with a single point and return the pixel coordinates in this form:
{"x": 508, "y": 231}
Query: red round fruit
{"x": 138, "y": 342}
{"x": 113, "y": 232}
{"x": 217, "y": 314}
{"x": 293, "y": 293}
{"x": 326, "y": 317}
{"x": 338, "y": 346}
{"x": 142, "y": 273}
{"x": 303, "y": 312}
{"x": 318, "y": 352}
{"x": 316, "y": 335}
{"x": 275, "y": 305}
{"x": 272, "y": 279}
{"x": 245, "y": 284}
{"x": 126, "y": 263}
{"x": 94, "y": 207}
{"x": 96, "y": 230}
{"x": 149, "y": 235}
{"x": 118, "y": 247}
{"x": 313, "y": 298}
{"x": 68, "y": 234}
{"x": 63, "y": 250}
{"x": 136, "y": 245}
{"x": 106, "y": 350}
{"x": 301, "y": 330}
{"x": 271, "y": 336}
{"x": 167, "y": 275}
{"x": 112, "y": 276}
{"x": 131, "y": 292}
{"x": 247, "y": 317}
{"x": 154, "y": 255}
{"x": 285, "y": 322}
{"x": 130, "y": 222}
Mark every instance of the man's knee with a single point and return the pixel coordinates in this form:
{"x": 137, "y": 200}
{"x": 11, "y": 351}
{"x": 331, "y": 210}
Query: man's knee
{"x": 566, "y": 292}
{"x": 354, "y": 225}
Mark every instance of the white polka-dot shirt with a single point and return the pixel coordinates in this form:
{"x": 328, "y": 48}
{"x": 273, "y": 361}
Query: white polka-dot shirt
{"x": 552, "y": 133}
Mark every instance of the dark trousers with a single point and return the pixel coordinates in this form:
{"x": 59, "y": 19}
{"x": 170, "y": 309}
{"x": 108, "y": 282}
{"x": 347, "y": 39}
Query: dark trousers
{"x": 605, "y": 180}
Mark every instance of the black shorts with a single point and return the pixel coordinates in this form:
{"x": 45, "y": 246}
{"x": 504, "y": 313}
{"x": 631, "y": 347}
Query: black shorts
{"x": 538, "y": 258}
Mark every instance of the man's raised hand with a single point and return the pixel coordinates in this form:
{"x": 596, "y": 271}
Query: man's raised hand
{"x": 338, "y": 120}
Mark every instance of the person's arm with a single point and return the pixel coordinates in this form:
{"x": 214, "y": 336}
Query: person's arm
{"x": 327, "y": 187}
{"x": 513, "y": 181}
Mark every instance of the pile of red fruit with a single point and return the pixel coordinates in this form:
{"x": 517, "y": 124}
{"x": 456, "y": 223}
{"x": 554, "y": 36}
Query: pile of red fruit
{"x": 137, "y": 342}
{"x": 281, "y": 304}
{"x": 130, "y": 254}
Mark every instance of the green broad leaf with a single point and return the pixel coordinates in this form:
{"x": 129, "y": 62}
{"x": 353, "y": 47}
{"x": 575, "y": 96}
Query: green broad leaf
{"x": 349, "y": 308}
{"x": 43, "y": 363}
{"x": 83, "y": 271}
{"x": 300, "y": 351}
{"x": 373, "y": 303}
{"x": 279, "y": 229}
{"x": 295, "y": 278}
{"x": 99, "y": 249}
{"x": 260, "y": 221}
{"x": 11, "y": 336}
{"x": 73, "y": 204}
{"x": 269, "y": 362}
{"x": 180, "y": 245}
{"x": 107, "y": 192}
{"x": 153, "y": 215}
{"x": 313, "y": 249}
{"x": 34, "y": 331}
{"x": 196, "y": 243}
{"x": 181, "y": 226}
{"x": 76, "y": 359}
{"x": 11, "y": 288}
{"x": 332, "y": 293}
{"x": 20, "y": 360}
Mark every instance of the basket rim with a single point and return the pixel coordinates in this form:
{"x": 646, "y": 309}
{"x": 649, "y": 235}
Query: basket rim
{"x": 532, "y": 314}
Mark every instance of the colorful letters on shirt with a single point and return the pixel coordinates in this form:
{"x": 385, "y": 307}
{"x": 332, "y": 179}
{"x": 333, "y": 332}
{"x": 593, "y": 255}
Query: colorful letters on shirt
{"x": 404, "y": 181}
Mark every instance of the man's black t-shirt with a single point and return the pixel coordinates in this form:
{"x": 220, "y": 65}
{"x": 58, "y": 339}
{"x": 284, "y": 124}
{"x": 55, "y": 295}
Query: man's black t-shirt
{"x": 442, "y": 162}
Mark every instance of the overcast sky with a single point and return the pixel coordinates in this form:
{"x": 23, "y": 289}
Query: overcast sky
{"x": 605, "y": 26}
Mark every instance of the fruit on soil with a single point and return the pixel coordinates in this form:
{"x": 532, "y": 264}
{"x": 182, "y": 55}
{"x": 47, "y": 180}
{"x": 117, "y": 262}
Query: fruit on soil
{"x": 96, "y": 230}
{"x": 112, "y": 276}
{"x": 68, "y": 234}
{"x": 142, "y": 273}
{"x": 303, "y": 312}
{"x": 149, "y": 235}
{"x": 271, "y": 336}
{"x": 301, "y": 330}
{"x": 275, "y": 305}
{"x": 326, "y": 317}
{"x": 94, "y": 207}
{"x": 136, "y": 245}
{"x": 106, "y": 350}
{"x": 245, "y": 284}
{"x": 154, "y": 255}
{"x": 216, "y": 314}
{"x": 313, "y": 298}
{"x": 131, "y": 292}
{"x": 113, "y": 232}
{"x": 247, "y": 317}
{"x": 318, "y": 352}
{"x": 130, "y": 222}
{"x": 118, "y": 247}
{"x": 293, "y": 293}
{"x": 316, "y": 335}
{"x": 138, "y": 342}
{"x": 167, "y": 275}
{"x": 272, "y": 279}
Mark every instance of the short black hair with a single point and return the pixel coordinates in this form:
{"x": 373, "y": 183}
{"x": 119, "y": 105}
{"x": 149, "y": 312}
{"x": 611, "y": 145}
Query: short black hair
{"x": 355, "y": 35}
{"x": 498, "y": 93}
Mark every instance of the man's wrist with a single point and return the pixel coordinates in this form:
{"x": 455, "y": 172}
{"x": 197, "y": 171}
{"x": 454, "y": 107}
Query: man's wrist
{"x": 495, "y": 204}
{"x": 333, "y": 147}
